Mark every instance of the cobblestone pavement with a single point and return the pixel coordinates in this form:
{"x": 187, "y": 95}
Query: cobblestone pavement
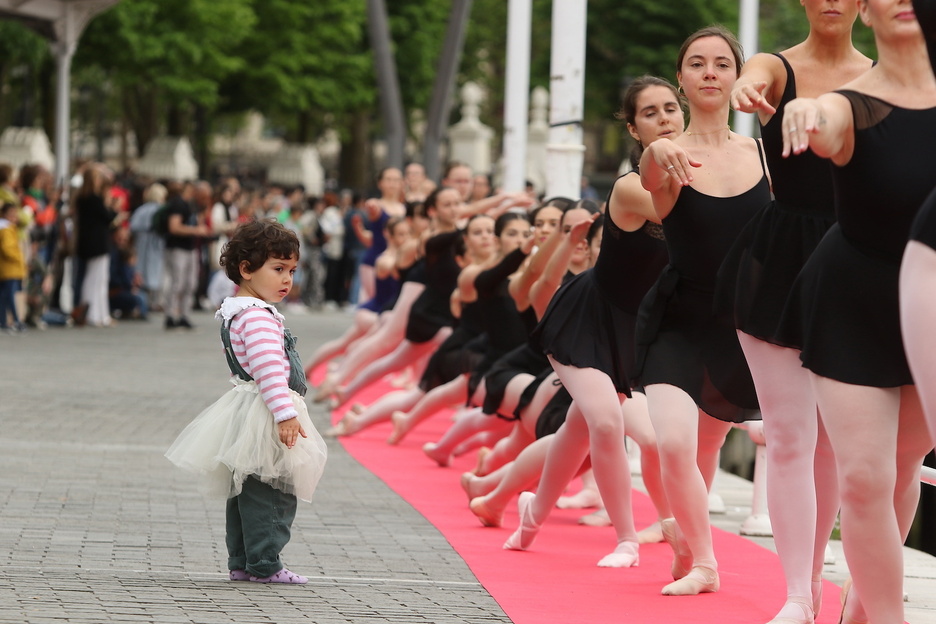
{"x": 96, "y": 526}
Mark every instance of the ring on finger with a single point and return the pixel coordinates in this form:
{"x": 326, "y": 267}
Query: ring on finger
{"x": 671, "y": 167}
{"x": 792, "y": 130}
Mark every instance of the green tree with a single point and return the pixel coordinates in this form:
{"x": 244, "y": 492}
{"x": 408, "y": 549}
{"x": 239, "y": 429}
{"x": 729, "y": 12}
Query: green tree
{"x": 23, "y": 55}
{"x": 303, "y": 61}
{"x": 166, "y": 56}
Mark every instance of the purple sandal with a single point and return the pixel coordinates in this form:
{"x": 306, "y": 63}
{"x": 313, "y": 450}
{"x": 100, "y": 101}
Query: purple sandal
{"x": 283, "y": 576}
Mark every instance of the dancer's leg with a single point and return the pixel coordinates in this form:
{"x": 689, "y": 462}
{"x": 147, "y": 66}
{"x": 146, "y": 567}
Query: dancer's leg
{"x": 917, "y": 311}
{"x": 639, "y": 429}
{"x": 586, "y": 498}
{"x": 367, "y": 277}
{"x": 912, "y": 448}
{"x": 379, "y": 411}
{"x": 376, "y": 345}
{"x": 675, "y": 418}
{"x": 363, "y": 321}
{"x": 439, "y": 398}
{"x": 506, "y": 449}
{"x": 791, "y": 426}
{"x": 594, "y": 424}
{"x": 509, "y": 480}
{"x": 529, "y": 415}
{"x": 712, "y": 433}
{"x": 468, "y": 425}
{"x": 862, "y": 423}
{"x": 406, "y": 353}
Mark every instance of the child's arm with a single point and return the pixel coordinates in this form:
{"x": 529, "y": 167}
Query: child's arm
{"x": 256, "y": 334}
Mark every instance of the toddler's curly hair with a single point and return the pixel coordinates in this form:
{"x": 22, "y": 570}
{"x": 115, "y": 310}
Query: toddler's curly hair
{"x": 255, "y": 242}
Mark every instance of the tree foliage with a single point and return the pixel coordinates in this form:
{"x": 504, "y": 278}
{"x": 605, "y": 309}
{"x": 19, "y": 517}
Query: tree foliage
{"x": 308, "y": 66}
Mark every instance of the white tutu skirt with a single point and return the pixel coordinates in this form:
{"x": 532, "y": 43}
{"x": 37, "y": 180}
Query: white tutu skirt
{"x": 236, "y": 438}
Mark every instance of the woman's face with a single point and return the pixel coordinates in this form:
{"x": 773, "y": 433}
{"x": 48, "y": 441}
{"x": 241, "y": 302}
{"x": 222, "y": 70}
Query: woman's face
{"x": 658, "y": 115}
{"x": 459, "y": 178}
{"x": 401, "y": 233}
{"x": 708, "y": 72}
{"x": 889, "y": 18}
{"x": 594, "y": 247}
{"x": 446, "y": 209}
{"x": 514, "y": 235}
{"x": 479, "y": 237}
{"x": 830, "y": 16}
{"x": 571, "y": 218}
{"x": 547, "y": 220}
{"x": 391, "y": 184}
{"x": 480, "y": 187}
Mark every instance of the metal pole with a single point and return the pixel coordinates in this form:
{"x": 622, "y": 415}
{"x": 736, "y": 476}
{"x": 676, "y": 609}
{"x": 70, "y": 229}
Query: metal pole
{"x": 444, "y": 85}
{"x": 516, "y": 94}
{"x": 63, "y": 58}
{"x": 747, "y": 35}
{"x": 565, "y": 153}
{"x": 390, "y": 99}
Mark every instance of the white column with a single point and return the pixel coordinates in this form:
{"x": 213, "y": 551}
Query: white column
{"x": 516, "y": 98}
{"x": 565, "y": 153}
{"x": 64, "y": 50}
{"x": 743, "y": 123}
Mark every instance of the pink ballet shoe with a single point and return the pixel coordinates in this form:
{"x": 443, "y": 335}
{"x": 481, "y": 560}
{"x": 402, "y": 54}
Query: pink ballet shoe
{"x": 843, "y": 618}
{"x": 626, "y": 555}
{"x": 485, "y": 514}
{"x": 682, "y": 557}
{"x": 597, "y": 518}
{"x": 653, "y": 534}
{"x": 804, "y": 604}
{"x": 523, "y": 537}
{"x": 583, "y": 499}
{"x": 239, "y": 575}
{"x": 816, "y": 596}
{"x": 700, "y": 580}
{"x": 284, "y": 576}
{"x": 431, "y": 450}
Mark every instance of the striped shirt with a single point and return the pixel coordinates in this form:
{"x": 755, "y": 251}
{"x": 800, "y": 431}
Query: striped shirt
{"x": 257, "y": 341}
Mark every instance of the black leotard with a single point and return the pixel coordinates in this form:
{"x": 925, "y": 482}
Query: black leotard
{"x": 758, "y": 273}
{"x": 845, "y": 302}
{"x": 681, "y": 340}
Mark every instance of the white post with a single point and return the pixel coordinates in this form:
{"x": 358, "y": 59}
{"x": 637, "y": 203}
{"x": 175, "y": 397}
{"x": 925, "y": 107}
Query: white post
{"x": 565, "y": 153}
{"x": 747, "y": 34}
{"x": 516, "y": 98}
{"x": 64, "y": 50}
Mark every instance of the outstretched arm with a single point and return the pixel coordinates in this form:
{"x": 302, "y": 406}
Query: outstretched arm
{"x": 824, "y": 124}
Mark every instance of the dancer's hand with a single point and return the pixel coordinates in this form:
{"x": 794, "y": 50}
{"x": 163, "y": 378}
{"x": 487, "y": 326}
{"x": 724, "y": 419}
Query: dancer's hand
{"x": 289, "y": 432}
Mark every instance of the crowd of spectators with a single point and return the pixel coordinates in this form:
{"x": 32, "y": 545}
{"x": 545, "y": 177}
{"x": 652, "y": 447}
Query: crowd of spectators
{"x": 110, "y": 248}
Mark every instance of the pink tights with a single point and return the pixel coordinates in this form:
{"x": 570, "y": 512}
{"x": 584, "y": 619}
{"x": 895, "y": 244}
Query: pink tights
{"x": 802, "y": 489}
{"x": 879, "y": 438}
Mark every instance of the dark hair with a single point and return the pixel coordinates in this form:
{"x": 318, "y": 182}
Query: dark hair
{"x": 628, "y": 112}
{"x": 433, "y": 197}
{"x": 595, "y": 227}
{"x": 415, "y": 209}
{"x": 560, "y": 203}
{"x": 392, "y": 222}
{"x": 585, "y": 204}
{"x": 255, "y": 242}
{"x": 715, "y": 30}
{"x": 455, "y": 164}
{"x": 506, "y": 218}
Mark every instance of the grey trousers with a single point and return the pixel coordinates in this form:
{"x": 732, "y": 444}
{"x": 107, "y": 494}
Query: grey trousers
{"x": 180, "y": 279}
{"x": 258, "y": 528}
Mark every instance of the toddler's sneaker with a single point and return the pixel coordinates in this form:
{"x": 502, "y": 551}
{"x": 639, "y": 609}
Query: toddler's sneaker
{"x": 283, "y": 576}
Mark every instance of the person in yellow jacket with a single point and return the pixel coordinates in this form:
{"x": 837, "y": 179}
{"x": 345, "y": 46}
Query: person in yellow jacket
{"x": 12, "y": 269}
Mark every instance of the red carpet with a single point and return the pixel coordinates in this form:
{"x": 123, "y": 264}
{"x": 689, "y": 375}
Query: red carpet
{"x": 557, "y": 580}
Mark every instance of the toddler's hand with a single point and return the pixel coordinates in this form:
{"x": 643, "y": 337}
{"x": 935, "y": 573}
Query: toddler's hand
{"x": 289, "y": 432}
